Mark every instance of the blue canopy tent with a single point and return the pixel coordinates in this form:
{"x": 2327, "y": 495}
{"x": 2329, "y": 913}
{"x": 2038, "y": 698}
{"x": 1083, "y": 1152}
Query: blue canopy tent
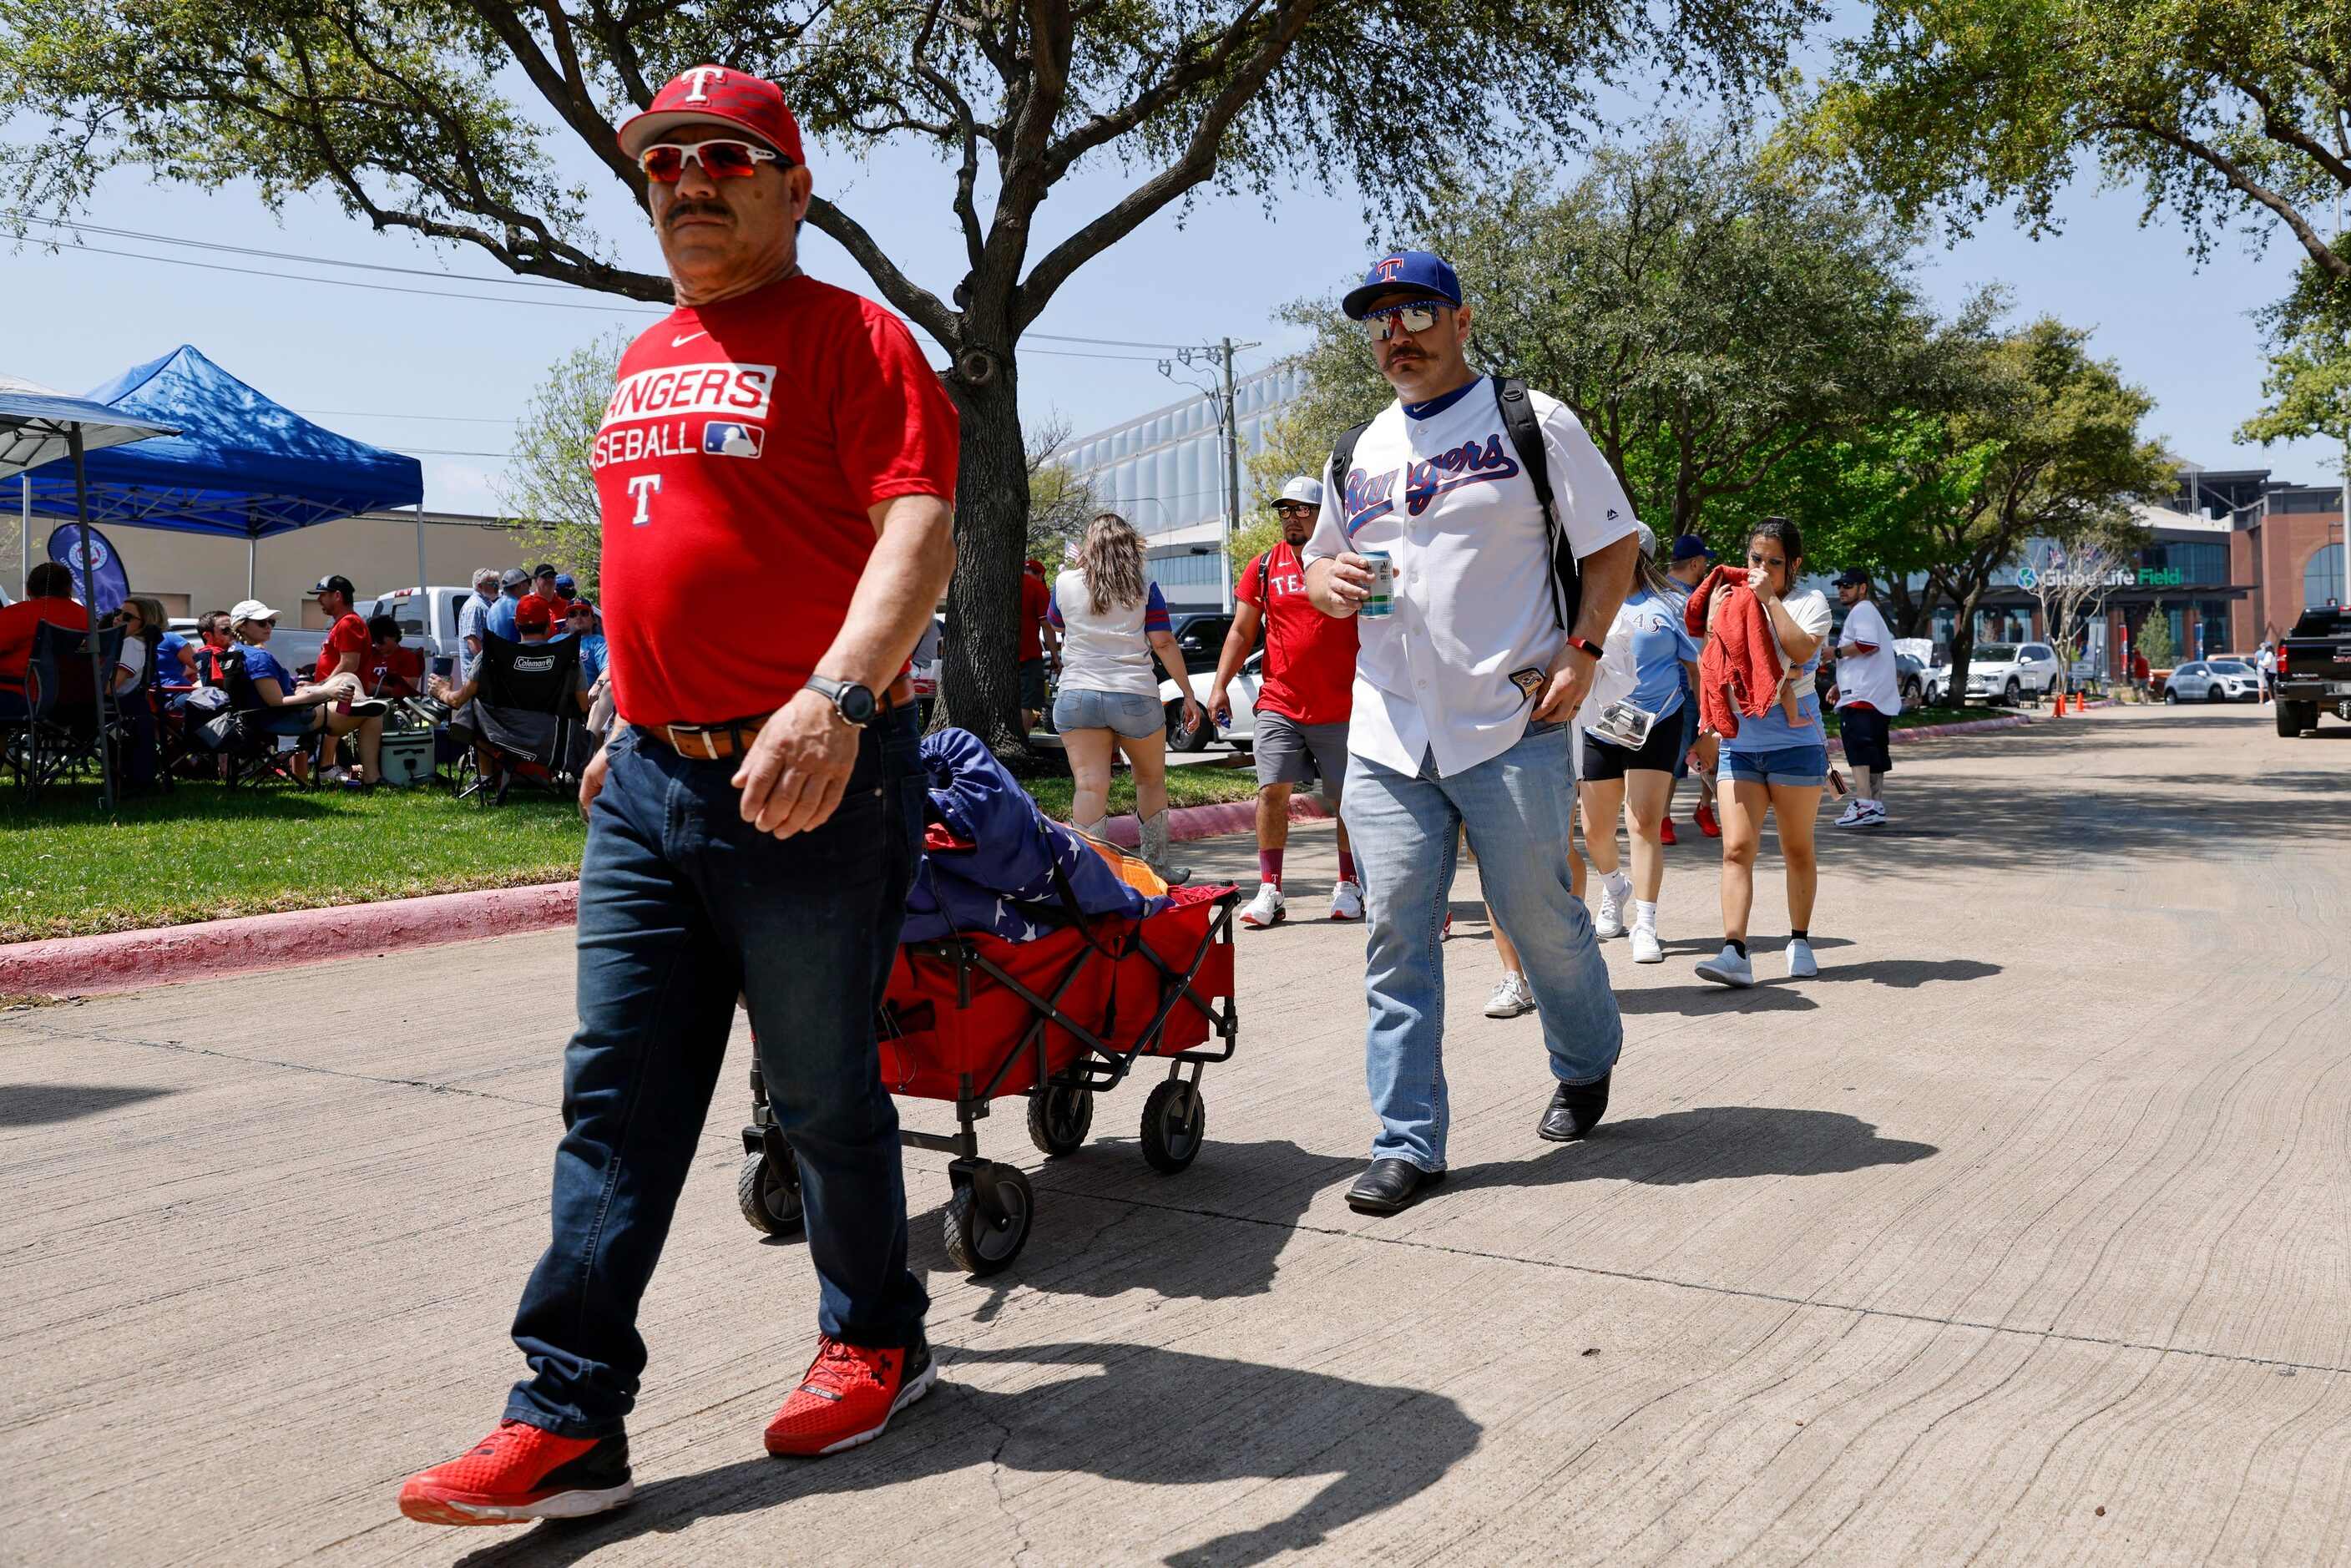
{"x": 241, "y": 465}
{"x": 37, "y": 425}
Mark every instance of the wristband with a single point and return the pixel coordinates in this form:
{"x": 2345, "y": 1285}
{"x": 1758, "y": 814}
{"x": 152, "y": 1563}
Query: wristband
{"x": 1586, "y": 645}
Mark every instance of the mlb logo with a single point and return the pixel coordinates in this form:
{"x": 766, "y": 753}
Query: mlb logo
{"x": 730, "y": 440}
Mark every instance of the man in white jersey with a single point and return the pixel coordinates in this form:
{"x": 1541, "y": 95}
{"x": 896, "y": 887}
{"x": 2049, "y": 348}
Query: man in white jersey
{"x": 1869, "y": 695}
{"x": 1463, "y": 698}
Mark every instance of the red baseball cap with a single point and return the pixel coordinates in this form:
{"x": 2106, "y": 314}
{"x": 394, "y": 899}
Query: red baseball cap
{"x": 533, "y": 612}
{"x": 715, "y": 92}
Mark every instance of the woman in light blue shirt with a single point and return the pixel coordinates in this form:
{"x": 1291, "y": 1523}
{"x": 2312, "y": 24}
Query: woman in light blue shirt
{"x": 1650, "y": 652}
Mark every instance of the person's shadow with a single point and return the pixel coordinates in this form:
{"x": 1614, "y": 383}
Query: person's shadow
{"x": 1711, "y": 1143}
{"x": 1126, "y": 1413}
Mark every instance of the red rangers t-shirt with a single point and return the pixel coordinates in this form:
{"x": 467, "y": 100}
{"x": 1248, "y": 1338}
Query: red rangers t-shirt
{"x": 1310, "y": 657}
{"x": 349, "y": 634}
{"x": 742, "y": 448}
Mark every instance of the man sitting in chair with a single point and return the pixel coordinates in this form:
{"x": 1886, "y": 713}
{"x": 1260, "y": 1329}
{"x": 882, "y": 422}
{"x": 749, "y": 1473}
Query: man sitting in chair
{"x": 532, "y": 624}
{"x": 48, "y": 597}
{"x": 392, "y": 669}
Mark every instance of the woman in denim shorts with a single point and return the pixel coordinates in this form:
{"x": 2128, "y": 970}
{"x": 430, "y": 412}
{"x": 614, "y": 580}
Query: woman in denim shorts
{"x": 1112, "y": 618}
{"x": 1774, "y": 764}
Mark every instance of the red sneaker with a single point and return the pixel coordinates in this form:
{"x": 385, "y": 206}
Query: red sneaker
{"x": 520, "y": 1473}
{"x": 1666, "y": 834}
{"x": 1704, "y": 818}
{"x": 849, "y": 1396}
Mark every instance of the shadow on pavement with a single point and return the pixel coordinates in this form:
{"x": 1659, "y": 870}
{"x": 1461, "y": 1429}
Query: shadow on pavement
{"x": 1132, "y": 1413}
{"x": 38, "y": 1104}
{"x": 1714, "y": 1143}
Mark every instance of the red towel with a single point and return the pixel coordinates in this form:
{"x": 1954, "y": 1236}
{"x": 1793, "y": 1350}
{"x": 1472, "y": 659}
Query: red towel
{"x": 1739, "y": 670}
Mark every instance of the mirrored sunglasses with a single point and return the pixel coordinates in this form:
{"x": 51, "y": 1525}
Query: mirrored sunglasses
{"x": 665, "y": 162}
{"x": 1380, "y": 325}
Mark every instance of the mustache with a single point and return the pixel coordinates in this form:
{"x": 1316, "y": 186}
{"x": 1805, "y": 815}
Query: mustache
{"x": 696, "y": 208}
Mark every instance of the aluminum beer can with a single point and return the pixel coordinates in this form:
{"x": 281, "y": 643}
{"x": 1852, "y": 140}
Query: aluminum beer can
{"x": 1382, "y": 602}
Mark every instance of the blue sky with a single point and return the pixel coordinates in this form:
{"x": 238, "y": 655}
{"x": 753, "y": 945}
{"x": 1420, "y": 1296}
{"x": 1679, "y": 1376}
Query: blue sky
{"x": 445, "y": 377}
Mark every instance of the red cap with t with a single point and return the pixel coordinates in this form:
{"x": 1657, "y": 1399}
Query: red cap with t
{"x": 533, "y": 613}
{"x": 715, "y": 92}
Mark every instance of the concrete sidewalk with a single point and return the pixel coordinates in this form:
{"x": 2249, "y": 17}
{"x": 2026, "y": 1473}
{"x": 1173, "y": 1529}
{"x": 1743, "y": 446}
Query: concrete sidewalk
{"x": 2033, "y": 1205}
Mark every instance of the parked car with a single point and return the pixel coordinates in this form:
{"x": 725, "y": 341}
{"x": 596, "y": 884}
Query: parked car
{"x": 1910, "y": 679}
{"x": 2001, "y": 672}
{"x": 2313, "y": 670}
{"x": 1200, "y": 634}
{"x": 1242, "y": 694}
{"x": 2213, "y": 681}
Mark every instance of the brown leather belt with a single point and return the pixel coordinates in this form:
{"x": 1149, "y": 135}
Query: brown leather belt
{"x": 730, "y": 738}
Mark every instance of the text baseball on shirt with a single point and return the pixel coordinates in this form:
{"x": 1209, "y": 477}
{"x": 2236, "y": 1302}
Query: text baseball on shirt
{"x": 652, "y": 413}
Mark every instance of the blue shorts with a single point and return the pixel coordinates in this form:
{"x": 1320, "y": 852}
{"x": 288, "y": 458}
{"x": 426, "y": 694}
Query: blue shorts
{"x": 1689, "y": 735}
{"x": 1795, "y": 765}
{"x": 1126, "y": 713}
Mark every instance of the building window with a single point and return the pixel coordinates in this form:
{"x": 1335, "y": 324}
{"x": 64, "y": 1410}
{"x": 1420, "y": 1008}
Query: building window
{"x": 2212, "y": 627}
{"x": 2193, "y": 562}
{"x": 2322, "y": 580}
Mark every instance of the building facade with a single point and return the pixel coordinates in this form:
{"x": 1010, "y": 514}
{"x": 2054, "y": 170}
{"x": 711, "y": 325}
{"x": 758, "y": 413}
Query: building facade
{"x": 1164, "y": 473}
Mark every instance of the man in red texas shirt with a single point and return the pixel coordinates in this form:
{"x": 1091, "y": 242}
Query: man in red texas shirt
{"x": 1306, "y": 693}
{"x": 754, "y": 822}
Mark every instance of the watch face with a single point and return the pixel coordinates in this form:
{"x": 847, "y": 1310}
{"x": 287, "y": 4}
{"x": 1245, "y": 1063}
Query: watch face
{"x": 856, "y": 704}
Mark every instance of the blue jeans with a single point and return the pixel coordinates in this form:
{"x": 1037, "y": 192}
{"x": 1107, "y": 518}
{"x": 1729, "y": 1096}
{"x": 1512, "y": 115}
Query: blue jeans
{"x": 1404, "y": 826}
{"x": 1794, "y": 765}
{"x": 682, "y": 905}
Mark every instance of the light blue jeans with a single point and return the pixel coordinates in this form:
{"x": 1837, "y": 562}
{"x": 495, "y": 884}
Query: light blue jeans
{"x": 1404, "y": 828}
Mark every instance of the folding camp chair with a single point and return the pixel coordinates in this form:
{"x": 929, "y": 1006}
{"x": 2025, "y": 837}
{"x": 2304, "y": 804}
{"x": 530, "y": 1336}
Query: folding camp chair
{"x": 240, "y": 732}
{"x": 61, "y": 732}
{"x": 524, "y": 724}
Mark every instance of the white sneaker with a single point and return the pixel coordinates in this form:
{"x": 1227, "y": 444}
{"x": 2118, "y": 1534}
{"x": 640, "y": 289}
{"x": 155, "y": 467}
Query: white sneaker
{"x": 1729, "y": 968}
{"x": 1873, "y": 816}
{"x": 1855, "y": 812}
{"x": 1615, "y": 889}
{"x": 1346, "y": 901}
{"x": 1647, "y": 948}
{"x": 1268, "y": 908}
{"x": 1802, "y": 966}
{"x": 1510, "y": 997}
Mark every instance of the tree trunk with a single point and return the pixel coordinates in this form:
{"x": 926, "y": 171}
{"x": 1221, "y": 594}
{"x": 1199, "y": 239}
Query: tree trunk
{"x": 1963, "y": 643}
{"x": 1914, "y": 614}
{"x": 980, "y": 686}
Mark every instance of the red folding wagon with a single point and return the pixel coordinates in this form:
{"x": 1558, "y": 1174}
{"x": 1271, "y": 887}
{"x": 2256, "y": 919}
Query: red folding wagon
{"x": 975, "y": 1019}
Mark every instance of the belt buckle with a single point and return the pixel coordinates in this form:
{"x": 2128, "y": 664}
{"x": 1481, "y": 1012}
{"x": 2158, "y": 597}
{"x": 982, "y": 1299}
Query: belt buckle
{"x": 677, "y": 740}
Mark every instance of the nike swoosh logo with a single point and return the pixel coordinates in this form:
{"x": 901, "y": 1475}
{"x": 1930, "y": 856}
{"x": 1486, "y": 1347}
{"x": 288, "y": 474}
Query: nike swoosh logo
{"x": 690, "y": 337}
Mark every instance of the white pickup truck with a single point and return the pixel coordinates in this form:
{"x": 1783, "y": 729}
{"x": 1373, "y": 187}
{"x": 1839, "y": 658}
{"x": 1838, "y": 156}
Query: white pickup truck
{"x": 428, "y": 622}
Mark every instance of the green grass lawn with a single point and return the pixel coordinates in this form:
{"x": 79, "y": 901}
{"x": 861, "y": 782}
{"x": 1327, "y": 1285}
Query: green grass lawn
{"x": 1912, "y": 718}
{"x": 202, "y": 852}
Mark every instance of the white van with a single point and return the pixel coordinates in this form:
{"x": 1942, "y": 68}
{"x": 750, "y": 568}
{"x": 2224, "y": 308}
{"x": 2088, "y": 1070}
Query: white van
{"x": 429, "y": 622}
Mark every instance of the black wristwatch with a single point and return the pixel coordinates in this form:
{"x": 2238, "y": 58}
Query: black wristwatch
{"x": 854, "y": 704}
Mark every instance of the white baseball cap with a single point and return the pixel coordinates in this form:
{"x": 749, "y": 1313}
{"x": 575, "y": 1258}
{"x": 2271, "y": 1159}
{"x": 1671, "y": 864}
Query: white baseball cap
{"x": 250, "y": 610}
{"x": 1648, "y": 537}
{"x": 1304, "y": 490}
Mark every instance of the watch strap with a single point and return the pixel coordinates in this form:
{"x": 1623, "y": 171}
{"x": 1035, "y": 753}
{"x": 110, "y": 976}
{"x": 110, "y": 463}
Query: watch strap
{"x": 1587, "y": 645}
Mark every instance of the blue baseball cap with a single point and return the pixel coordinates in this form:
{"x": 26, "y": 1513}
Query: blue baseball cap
{"x": 1690, "y": 545}
{"x": 1420, "y": 270}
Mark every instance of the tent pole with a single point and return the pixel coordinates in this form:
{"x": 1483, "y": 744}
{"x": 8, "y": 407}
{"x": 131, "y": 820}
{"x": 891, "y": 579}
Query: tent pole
{"x": 97, "y": 670}
{"x": 423, "y": 591}
{"x": 25, "y": 540}
{"x": 252, "y": 558}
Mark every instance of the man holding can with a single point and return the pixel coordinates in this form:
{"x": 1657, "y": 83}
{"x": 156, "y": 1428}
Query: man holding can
{"x": 755, "y": 823}
{"x": 1464, "y": 690}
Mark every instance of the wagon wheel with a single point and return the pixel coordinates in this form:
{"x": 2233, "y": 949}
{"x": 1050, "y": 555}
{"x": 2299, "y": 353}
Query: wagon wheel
{"x": 770, "y": 1195}
{"x": 1059, "y": 1117}
{"x": 1174, "y": 1124}
{"x": 978, "y": 1242}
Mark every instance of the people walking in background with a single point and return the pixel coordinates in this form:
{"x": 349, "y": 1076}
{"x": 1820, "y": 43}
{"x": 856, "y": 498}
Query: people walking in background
{"x": 1465, "y": 678}
{"x": 1306, "y": 687}
{"x": 1649, "y": 664}
{"x": 1691, "y": 561}
{"x": 1778, "y": 761}
{"x": 1112, "y": 618}
{"x": 1869, "y": 695}
{"x": 2142, "y": 675}
{"x": 1039, "y": 643}
{"x": 2266, "y": 663}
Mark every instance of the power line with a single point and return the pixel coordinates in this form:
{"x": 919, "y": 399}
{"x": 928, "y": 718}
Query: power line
{"x": 437, "y": 418}
{"x": 634, "y": 306}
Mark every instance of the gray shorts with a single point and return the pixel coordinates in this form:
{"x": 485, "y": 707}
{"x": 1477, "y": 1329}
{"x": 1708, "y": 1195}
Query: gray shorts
{"x": 1288, "y": 752}
{"x": 1129, "y": 714}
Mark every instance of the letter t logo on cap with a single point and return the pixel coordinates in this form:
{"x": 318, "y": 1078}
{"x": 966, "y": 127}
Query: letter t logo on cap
{"x": 701, "y": 77}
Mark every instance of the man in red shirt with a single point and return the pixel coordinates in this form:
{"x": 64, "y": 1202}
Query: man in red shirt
{"x": 392, "y": 670}
{"x": 345, "y": 651}
{"x": 1306, "y": 692}
{"x": 48, "y": 597}
{"x": 756, "y": 819}
{"x": 1039, "y": 644}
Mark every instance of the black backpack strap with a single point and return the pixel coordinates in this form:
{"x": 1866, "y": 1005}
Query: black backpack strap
{"x": 1525, "y": 432}
{"x": 1342, "y": 457}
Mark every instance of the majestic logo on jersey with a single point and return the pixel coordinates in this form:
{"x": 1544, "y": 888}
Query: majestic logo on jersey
{"x": 1371, "y": 496}
{"x": 733, "y": 440}
{"x": 726, "y": 389}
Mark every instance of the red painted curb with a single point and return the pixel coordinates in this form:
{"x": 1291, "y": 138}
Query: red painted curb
{"x": 129, "y": 960}
{"x": 1973, "y": 725}
{"x": 1185, "y": 823}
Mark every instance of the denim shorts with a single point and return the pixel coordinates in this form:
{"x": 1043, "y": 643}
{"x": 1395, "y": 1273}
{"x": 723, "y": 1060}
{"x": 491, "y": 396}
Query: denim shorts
{"x": 1129, "y": 714}
{"x": 1796, "y": 766}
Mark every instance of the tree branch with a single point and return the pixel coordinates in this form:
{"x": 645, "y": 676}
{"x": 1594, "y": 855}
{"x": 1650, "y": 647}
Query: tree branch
{"x": 2244, "y": 184}
{"x": 579, "y": 112}
{"x": 925, "y": 308}
{"x": 1107, "y": 127}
